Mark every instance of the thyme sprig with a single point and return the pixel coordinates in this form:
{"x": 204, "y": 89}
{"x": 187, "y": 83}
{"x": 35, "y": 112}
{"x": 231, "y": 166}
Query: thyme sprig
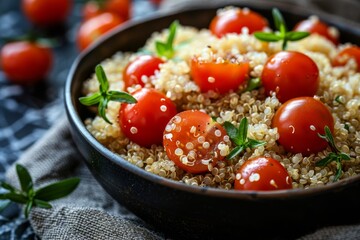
{"x": 336, "y": 155}
{"x": 166, "y": 49}
{"x": 239, "y": 137}
{"x": 30, "y": 197}
{"x": 104, "y": 96}
{"x": 282, "y": 34}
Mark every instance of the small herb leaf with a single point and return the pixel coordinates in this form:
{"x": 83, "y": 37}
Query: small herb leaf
{"x": 295, "y": 36}
{"x": 267, "y": 37}
{"x": 239, "y": 138}
{"x": 253, "y": 84}
{"x": 166, "y": 49}
{"x": 57, "y": 190}
{"x": 27, "y": 209}
{"x": 15, "y": 197}
{"x": 42, "y": 204}
{"x": 334, "y": 156}
{"x": 7, "y": 186}
{"x": 24, "y": 178}
{"x": 279, "y": 20}
{"x": 104, "y": 95}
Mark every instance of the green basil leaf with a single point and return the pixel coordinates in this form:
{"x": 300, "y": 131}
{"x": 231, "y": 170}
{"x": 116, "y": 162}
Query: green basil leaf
{"x": 4, "y": 204}
{"x": 28, "y": 208}
{"x": 42, "y": 204}
{"x": 267, "y": 37}
{"x": 243, "y": 129}
{"x": 236, "y": 151}
{"x": 15, "y": 197}
{"x": 121, "y": 97}
{"x": 25, "y": 180}
{"x": 295, "y": 36}
{"x": 57, "y": 190}
{"x": 101, "y": 76}
{"x": 172, "y": 33}
{"x": 253, "y": 83}
{"x": 252, "y": 143}
{"x": 102, "y": 109}
{"x": 162, "y": 49}
{"x": 279, "y": 20}
{"x": 231, "y": 130}
{"x": 325, "y": 161}
{"x": 344, "y": 156}
{"x": 90, "y": 100}
{"x": 7, "y": 186}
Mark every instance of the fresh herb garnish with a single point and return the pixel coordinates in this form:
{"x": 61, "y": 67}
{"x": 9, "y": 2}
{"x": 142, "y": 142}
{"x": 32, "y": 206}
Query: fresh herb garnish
{"x": 104, "y": 95}
{"x": 166, "y": 49}
{"x": 335, "y": 155}
{"x": 239, "y": 137}
{"x": 35, "y": 198}
{"x": 339, "y": 99}
{"x": 253, "y": 83}
{"x": 282, "y": 33}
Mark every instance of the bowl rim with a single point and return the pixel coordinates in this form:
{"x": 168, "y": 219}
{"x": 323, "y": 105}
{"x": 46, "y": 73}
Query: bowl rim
{"x": 176, "y": 185}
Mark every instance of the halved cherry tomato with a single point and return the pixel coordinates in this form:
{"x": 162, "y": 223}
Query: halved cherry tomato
{"x": 144, "y": 122}
{"x": 92, "y": 29}
{"x": 314, "y": 25}
{"x": 119, "y": 7}
{"x": 25, "y": 62}
{"x": 144, "y": 65}
{"x": 45, "y": 12}
{"x": 193, "y": 140}
{"x": 347, "y": 53}
{"x": 234, "y": 19}
{"x": 299, "y": 121}
{"x": 262, "y": 174}
{"x": 219, "y": 77}
{"x": 290, "y": 74}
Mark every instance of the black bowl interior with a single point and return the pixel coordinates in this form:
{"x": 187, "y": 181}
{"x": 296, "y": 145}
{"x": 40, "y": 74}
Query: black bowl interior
{"x": 181, "y": 210}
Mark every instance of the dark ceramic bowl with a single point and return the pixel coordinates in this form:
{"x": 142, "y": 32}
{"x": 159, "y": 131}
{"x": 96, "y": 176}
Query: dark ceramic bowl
{"x": 186, "y": 212}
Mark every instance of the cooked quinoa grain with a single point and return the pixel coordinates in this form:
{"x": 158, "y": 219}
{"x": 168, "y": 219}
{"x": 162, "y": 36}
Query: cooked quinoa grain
{"x": 339, "y": 90}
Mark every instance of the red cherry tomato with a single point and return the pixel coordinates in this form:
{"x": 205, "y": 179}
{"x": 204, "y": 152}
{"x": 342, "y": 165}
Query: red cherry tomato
{"x": 299, "y": 121}
{"x": 193, "y": 140}
{"x": 262, "y": 174}
{"x": 144, "y": 65}
{"x": 219, "y": 77}
{"x": 144, "y": 122}
{"x": 45, "y": 12}
{"x": 92, "y": 29}
{"x": 314, "y": 25}
{"x": 290, "y": 74}
{"x": 347, "y": 53}
{"x": 120, "y": 7}
{"x": 233, "y": 20}
{"x": 25, "y": 62}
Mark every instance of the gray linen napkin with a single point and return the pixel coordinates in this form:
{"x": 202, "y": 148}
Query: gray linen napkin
{"x": 89, "y": 212}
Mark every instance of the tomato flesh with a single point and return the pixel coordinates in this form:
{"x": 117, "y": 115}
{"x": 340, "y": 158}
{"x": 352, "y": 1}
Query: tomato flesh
{"x": 144, "y": 122}
{"x": 262, "y": 174}
{"x": 315, "y": 26}
{"x": 299, "y": 121}
{"x": 25, "y": 62}
{"x": 193, "y": 140}
{"x": 234, "y": 20}
{"x": 95, "y": 27}
{"x": 346, "y": 54}
{"x": 144, "y": 65}
{"x": 45, "y": 12}
{"x": 290, "y": 74}
{"x": 219, "y": 77}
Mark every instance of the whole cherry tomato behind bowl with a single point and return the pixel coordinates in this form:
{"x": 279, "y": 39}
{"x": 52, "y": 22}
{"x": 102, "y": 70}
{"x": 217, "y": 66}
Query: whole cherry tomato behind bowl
{"x": 193, "y": 141}
{"x": 233, "y": 20}
{"x": 299, "y": 122}
{"x": 144, "y": 65}
{"x": 290, "y": 74}
{"x": 46, "y": 12}
{"x": 95, "y": 27}
{"x": 352, "y": 52}
{"x": 95, "y": 7}
{"x": 262, "y": 174}
{"x": 144, "y": 122}
{"x": 315, "y": 26}
{"x": 25, "y": 62}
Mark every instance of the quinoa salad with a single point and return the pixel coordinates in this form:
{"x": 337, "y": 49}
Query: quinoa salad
{"x": 338, "y": 89}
